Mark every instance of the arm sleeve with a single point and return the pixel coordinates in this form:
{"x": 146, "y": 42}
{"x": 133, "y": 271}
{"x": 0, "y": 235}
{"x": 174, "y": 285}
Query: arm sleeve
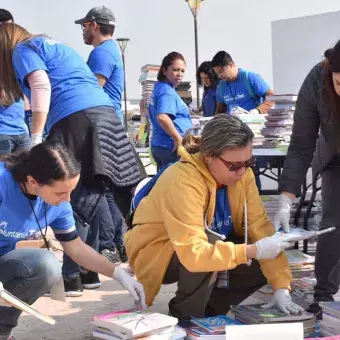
{"x": 219, "y": 93}
{"x": 166, "y": 103}
{"x": 184, "y": 222}
{"x": 25, "y": 61}
{"x": 258, "y": 84}
{"x": 64, "y": 225}
{"x": 40, "y": 91}
{"x": 100, "y": 62}
{"x": 303, "y": 140}
{"x": 277, "y": 270}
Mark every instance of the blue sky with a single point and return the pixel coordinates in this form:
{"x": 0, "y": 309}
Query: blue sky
{"x": 156, "y": 27}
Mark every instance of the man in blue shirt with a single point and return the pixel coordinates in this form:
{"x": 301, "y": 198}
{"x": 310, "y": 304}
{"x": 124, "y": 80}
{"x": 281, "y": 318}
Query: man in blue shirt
{"x": 106, "y": 63}
{"x": 105, "y": 60}
{"x": 239, "y": 87}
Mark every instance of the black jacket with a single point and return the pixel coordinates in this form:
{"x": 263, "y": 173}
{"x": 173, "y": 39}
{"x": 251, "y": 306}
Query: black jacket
{"x": 314, "y": 133}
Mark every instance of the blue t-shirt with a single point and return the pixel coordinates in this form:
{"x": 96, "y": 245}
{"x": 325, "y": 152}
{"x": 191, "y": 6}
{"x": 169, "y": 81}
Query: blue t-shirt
{"x": 106, "y": 61}
{"x": 74, "y": 86}
{"x": 209, "y": 101}
{"x": 12, "y": 119}
{"x": 235, "y": 93}
{"x": 222, "y": 222}
{"x": 17, "y": 220}
{"x": 165, "y": 99}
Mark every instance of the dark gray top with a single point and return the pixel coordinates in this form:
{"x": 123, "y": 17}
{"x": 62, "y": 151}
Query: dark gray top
{"x": 313, "y": 114}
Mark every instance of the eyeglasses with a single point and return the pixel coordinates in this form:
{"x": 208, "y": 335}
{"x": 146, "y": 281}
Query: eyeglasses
{"x": 236, "y": 166}
{"x": 83, "y": 25}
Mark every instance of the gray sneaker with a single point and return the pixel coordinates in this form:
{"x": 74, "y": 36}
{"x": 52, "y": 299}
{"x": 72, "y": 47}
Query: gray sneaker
{"x": 112, "y": 255}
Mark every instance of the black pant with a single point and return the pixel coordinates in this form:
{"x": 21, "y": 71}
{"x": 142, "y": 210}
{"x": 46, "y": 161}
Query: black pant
{"x": 197, "y": 294}
{"x": 327, "y": 264}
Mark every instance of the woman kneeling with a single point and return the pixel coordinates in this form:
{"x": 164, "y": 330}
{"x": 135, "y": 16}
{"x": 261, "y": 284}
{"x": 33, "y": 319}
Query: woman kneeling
{"x": 191, "y": 228}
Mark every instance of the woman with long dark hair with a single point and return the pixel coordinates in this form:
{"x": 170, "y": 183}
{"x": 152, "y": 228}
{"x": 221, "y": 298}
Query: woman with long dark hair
{"x": 206, "y": 77}
{"x": 35, "y": 190}
{"x": 66, "y": 97}
{"x": 316, "y": 136}
{"x": 169, "y": 115}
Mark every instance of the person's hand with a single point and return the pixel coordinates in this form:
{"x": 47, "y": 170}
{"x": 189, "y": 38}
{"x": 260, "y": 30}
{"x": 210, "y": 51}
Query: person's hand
{"x": 36, "y": 139}
{"x": 283, "y": 301}
{"x": 254, "y": 111}
{"x": 270, "y": 248}
{"x": 135, "y": 289}
{"x": 177, "y": 144}
{"x": 282, "y": 216}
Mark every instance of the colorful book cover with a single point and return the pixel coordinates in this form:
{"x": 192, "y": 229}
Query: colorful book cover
{"x": 133, "y": 323}
{"x": 215, "y": 323}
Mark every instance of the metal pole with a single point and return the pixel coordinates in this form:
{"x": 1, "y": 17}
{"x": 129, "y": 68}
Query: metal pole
{"x": 125, "y": 100}
{"x": 196, "y": 56}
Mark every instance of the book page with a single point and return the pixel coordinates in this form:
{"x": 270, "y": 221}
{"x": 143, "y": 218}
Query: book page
{"x": 15, "y": 302}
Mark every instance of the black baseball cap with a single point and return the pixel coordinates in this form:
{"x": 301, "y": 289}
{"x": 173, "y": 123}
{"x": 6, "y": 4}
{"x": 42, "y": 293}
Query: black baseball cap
{"x": 101, "y": 15}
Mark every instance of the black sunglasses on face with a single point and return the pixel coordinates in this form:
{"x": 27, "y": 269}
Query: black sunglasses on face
{"x": 235, "y": 166}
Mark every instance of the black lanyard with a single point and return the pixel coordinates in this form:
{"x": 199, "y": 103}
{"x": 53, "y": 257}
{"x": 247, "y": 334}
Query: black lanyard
{"x": 235, "y": 92}
{"x": 37, "y": 221}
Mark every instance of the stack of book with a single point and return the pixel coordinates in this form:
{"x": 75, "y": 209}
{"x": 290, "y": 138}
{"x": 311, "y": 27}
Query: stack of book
{"x": 279, "y": 121}
{"x": 184, "y": 91}
{"x": 303, "y": 288}
{"x": 255, "y": 314}
{"x": 148, "y": 79}
{"x": 134, "y": 324}
{"x": 330, "y": 324}
{"x": 301, "y": 265}
{"x": 256, "y": 122}
{"x": 208, "y": 328}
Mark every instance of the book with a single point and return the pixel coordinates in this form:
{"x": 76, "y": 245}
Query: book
{"x": 215, "y": 323}
{"x": 175, "y": 333}
{"x": 129, "y": 324}
{"x": 299, "y": 234}
{"x": 199, "y": 333}
{"x": 17, "y": 303}
{"x": 291, "y": 98}
{"x": 256, "y": 314}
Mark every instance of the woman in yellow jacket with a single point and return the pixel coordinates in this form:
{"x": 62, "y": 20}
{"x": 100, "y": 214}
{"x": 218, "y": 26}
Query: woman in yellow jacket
{"x": 170, "y": 241}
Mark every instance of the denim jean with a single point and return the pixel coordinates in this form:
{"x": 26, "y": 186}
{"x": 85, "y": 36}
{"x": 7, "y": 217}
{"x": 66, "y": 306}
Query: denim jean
{"x": 163, "y": 156}
{"x": 27, "y": 274}
{"x": 111, "y": 224}
{"x": 11, "y": 143}
{"x": 70, "y": 268}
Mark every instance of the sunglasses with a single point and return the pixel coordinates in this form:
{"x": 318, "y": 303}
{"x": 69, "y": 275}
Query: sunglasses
{"x": 236, "y": 166}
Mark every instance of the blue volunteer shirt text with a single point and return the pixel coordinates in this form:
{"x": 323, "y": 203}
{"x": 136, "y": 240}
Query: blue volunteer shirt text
{"x": 235, "y": 93}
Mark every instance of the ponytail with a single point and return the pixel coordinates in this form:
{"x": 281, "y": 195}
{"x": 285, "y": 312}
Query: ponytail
{"x": 191, "y": 143}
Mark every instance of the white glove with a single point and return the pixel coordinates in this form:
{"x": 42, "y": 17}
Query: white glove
{"x": 135, "y": 289}
{"x": 282, "y": 216}
{"x": 283, "y": 301}
{"x": 36, "y": 139}
{"x": 269, "y": 248}
{"x": 254, "y": 111}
